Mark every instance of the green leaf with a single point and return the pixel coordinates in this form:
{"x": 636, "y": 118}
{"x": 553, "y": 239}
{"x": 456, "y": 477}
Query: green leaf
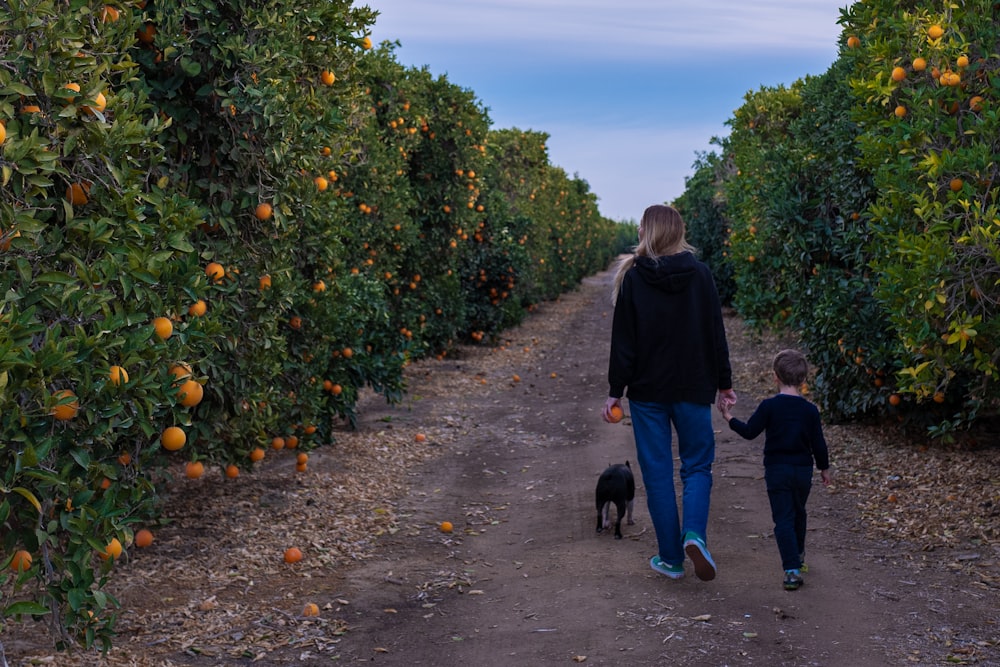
{"x": 26, "y": 607}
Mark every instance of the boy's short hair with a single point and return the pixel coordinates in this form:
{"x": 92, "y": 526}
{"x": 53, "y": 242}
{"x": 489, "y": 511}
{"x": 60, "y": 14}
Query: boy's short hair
{"x": 791, "y": 367}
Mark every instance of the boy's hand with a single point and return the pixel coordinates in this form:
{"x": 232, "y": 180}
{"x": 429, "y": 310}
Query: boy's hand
{"x": 825, "y": 476}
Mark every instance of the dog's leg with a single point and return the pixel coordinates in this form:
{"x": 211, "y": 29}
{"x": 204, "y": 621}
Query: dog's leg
{"x": 630, "y": 504}
{"x": 621, "y": 504}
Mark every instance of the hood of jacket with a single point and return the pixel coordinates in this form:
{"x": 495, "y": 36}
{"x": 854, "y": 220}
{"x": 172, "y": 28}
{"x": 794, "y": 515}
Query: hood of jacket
{"x": 671, "y": 273}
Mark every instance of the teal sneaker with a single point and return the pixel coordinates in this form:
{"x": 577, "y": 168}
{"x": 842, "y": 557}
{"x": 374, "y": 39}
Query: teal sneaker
{"x": 672, "y": 571}
{"x": 793, "y": 580}
{"x": 694, "y": 547}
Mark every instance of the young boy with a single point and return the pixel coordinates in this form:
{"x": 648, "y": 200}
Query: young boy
{"x": 793, "y": 440}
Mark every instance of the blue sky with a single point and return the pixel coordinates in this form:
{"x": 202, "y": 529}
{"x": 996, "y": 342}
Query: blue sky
{"x": 629, "y": 91}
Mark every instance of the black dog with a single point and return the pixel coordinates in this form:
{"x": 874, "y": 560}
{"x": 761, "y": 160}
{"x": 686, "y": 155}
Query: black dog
{"x": 615, "y": 485}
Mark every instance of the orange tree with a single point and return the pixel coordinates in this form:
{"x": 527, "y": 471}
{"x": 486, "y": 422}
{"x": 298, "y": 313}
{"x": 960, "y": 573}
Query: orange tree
{"x": 925, "y": 84}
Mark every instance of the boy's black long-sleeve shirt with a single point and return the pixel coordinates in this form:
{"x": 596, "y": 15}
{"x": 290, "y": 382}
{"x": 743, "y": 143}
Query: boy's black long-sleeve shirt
{"x": 794, "y": 432}
{"x": 668, "y": 340}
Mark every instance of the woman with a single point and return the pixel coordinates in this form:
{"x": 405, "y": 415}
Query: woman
{"x": 669, "y": 349}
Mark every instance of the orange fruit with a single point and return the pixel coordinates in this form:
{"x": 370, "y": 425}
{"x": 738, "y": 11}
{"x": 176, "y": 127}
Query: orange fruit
{"x": 302, "y": 458}
{"x": 616, "y": 414}
{"x": 321, "y": 183}
{"x": 232, "y": 471}
{"x": 293, "y": 555}
{"x": 263, "y": 211}
{"x": 76, "y": 193}
{"x": 198, "y": 308}
{"x": 898, "y": 74}
{"x": 935, "y": 31}
{"x": 900, "y": 111}
{"x": 976, "y": 103}
{"x": 292, "y": 441}
{"x": 3, "y": 133}
{"x": 319, "y": 286}
{"x": 366, "y": 43}
{"x": 311, "y": 609}
{"x": 173, "y": 438}
{"x": 265, "y": 282}
{"x": 31, "y": 108}
{"x": 105, "y": 484}
{"x": 301, "y": 467}
{"x": 336, "y": 390}
{"x": 853, "y": 42}
{"x": 445, "y": 527}
{"x": 939, "y": 397}
{"x": 124, "y": 458}
{"x": 277, "y": 442}
{"x": 215, "y": 271}
{"x": 163, "y": 327}
{"x": 146, "y": 34}
{"x": 113, "y": 550}
{"x": 257, "y": 454}
{"x": 295, "y": 322}
{"x": 194, "y": 469}
{"x": 962, "y": 61}
{"x": 143, "y": 538}
{"x": 100, "y": 104}
{"x": 327, "y": 77}
{"x": 516, "y": 378}
{"x": 956, "y": 184}
{"x": 74, "y": 87}
{"x": 347, "y": 352}
{"x": 180, "y": 371}
{"x": 894, "y": 399}
{"x": 309, "y": 430}
{"x": 190, "y": 393}
{"x": 420, "y": 437}
{"x": 118, "y": 375}
{"x": 66, "y": 410}
{"x": 109, "y": 14}
{"x": 919, "y": 64}
{"x": 21, "y": 561}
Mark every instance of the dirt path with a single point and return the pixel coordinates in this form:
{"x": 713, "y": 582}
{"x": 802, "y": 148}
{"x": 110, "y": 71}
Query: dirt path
{"x": 524, "y": 580}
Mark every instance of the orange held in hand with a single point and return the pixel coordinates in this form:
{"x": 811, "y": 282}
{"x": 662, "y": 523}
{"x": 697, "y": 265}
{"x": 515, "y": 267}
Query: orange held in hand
{"x": 616, "y": 414}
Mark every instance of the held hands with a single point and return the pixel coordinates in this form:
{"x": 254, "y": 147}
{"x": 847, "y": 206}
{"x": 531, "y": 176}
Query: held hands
{"x": 725, "y": 401}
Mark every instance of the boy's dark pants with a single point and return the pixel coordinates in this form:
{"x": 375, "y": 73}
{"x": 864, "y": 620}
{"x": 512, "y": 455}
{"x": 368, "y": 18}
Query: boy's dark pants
{"x": 788, "y": 490}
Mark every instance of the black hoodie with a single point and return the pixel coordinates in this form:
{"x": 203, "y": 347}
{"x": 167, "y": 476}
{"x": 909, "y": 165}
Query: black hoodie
{"x": 668, "y": 341}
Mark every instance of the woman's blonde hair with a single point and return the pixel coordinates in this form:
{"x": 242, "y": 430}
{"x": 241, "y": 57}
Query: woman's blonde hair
{"x": 661, "y": 233}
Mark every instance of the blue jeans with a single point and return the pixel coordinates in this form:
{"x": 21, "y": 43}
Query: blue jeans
{"x": 651, "y": 423}
{"x": 788, "y": 489}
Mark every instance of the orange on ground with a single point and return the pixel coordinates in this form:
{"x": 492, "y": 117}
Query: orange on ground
{"x": 118, "y": 375}
{"x": 311, "y": 609}
{"x": 445, "y": 527}
{"x": 293, "y": 555}
{"x": 301, "y": 467}
{"x": 67, "y": 410}
{"x": 194, "y": 469}
{"x": 616, "y": 414}
{"x": 173, "y": 438}
{"x": 190, "y": 393}
{"x": 21, "y": 561}
{"x": 198, "y": 308}
{"x": 420, "y": 437}
{"x": 113, "y": 550}
{"x": 302, "y": 458}
{"x": 143, "y": 538}
{"x": 163, "y": 327}
{"x": 232, "y": 471}
{"x": 257, "y": 454}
